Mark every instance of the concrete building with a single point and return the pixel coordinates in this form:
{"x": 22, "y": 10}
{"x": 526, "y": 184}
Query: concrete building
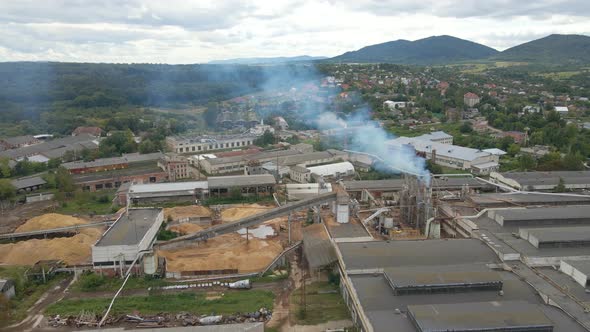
{"x": 189, "y": 191}
{"x": 124, "y": 243}
{"x": 115, "y": 178}
{"x": 299, "y": 173}
{"x": 18, "y": 142}
{"x": 439, "y": 285}
{"x": 470, "y": 99}
{"x": 248, "y": 185}
{"x": 7, "y": 288}
{"x": 199, "y": 144}
{"x": 543, "y": 181}
{"x": 437, "y": 136}
{"x": 333, "y": 171}
{"x": 452, "y": 156}
{"x": 562, "y": 110}
{"x": 177, "y": 167}
{"x": 56, "y": 148}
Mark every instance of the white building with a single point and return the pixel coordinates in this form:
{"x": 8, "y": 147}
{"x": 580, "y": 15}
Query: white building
{"x": 394, "y": 105}
{"x": 438, "y": 137}
{"x": 452, "y": 156}
{"x": 337, "y": 170}
{"x": 562, "y": 110}
{"x": 181, "y": 144}
{"x": 530, "y": 109}
{"x": 134, "y": 232}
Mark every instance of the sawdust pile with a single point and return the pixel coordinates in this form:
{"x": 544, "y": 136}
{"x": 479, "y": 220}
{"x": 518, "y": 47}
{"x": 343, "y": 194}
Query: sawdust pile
{"x": 190, "y": 211}
{"x": 242, "y": 211}
{"x": 72, "y": 250}
{"x": 186, "y": 228}
{"x": 49, "y": 221}
{"x": 229, "y": 251}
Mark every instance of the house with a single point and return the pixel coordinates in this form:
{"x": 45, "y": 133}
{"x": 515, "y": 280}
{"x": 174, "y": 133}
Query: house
{"x": 562, "y": 110}
{"x": 470, "y": 99}
{"x": 7, "y": 288}
{"x": 18, "y": 142}
{"x": 530, "y": 109}
{"x": 394, "y": 105}
{"x": 92, "y": 131}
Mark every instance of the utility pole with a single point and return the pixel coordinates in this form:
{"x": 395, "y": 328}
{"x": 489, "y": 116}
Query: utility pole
{"x": 289, "y": 225}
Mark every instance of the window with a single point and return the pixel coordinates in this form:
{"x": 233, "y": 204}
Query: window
{"x": 193, "y": 148}
{"x": 98, "y": 186}
{"x": 152, "y": 179}
{"x": 180, "y": 150}
{"x": 108, "y": 185}
{"x": 199, "y": 148}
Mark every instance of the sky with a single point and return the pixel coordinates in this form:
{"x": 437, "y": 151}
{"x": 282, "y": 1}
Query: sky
{"x": 198, "y": 31}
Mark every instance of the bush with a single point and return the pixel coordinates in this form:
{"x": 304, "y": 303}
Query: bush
{"x": 103, "y": 199}
{"x": 92, "y": 281}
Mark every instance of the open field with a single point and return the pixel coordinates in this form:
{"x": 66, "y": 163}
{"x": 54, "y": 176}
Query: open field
{"x": 228, "y": 302}
{"x": 88, "y": 203}
{"x": 323, "y": 304}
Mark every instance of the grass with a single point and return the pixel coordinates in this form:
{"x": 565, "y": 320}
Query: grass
{"x": 96, "y": 283}
{"x": 324, "y": 304}
{"x": 195, "y": 302}
{"x": 272, "y": 276}
{"x": 27, "y": 294}
{"x": 88, "y": 203}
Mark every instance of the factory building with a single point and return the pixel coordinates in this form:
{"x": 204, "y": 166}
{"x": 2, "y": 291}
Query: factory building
{"x": 249, "y": 185}
{"x": 578, "y": 270}
{"x": 453, "y": 156}
{"x": 197, "y": 144}
{"x": 439, "y": 285}
{"x": 190, "y": 191}
{"x": 128, "y": 238}
{"x": 543, "y": 181}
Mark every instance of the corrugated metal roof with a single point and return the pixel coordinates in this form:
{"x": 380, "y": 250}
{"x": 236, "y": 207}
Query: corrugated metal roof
{"x": 240, "y": 180}
{"x": 165, "y": 187}
{"x": 447, "y": 150}
{"x": 331, "y": 169}
{"x": 317, "y": 247}
{"x": 23, "y": 183}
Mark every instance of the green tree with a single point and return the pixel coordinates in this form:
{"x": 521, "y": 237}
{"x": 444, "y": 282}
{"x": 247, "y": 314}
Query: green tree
{"x": 433, "y": 168}
{"x": 5, "y": 170}
{"x": 266, "y": 139}
{"x": 513, "y": 149}
{"x": 560, "y": 188}
{"x": 147, "y": 146}
{"x": 64, "y": 181}
{"x": 7, "y": 192}
{"x": 526, "y": 162}
{"x": 466, "y": 128}
{"x": 573, "y": 162}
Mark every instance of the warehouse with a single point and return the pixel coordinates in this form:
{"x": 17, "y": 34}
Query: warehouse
{"x": 495, "y": 200}
{"x": 333, "y": 171}
{"x": 115, "y": 178}
{"x": 134, "y": 232}
{"x": 578, "y": 270}
{"x": 249, "y": 185}
{"x": 539, "y": 216}
{"x": 384, "y": 282}
{"x": 231, "y": 164}
{"x": 452, "y": 156}
{"x": 56, "y": 148}
{"x": 543, "y": 181}
{"x": 557, "y": 237}
{"x": 167, "y": 192}
{"x": 438, "y": 183}
{"x": 181, "y": 144}
{"x": 28, "y": 184}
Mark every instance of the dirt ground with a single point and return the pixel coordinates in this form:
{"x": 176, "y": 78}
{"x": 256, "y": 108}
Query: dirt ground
{"x": 72, "y": 250}
{"x": 189, "y": 211}
{"x": 243, "y": 211}
{"x": 11, "y": 219}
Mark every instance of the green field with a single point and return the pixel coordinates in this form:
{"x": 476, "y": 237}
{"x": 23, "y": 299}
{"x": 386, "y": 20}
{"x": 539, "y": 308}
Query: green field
{"x": 88, "y": 203}
{"x": 224, "y": 303}
{"x": 96, "y": 283}
{"x": 323, "y": 304}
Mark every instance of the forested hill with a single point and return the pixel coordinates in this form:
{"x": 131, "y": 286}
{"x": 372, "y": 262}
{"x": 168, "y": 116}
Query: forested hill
{"x": 431, "y": 50}
{"x": 553, "y": 49}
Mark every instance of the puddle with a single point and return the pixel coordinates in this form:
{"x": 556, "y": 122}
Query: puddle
{"x": 260, "y": 232}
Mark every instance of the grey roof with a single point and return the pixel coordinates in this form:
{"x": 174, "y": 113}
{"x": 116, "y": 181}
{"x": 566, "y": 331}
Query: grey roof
{"x": 317, "y": 247}
{"x": 549, "y": 178}
{"x": 269, "y": 155}
{"x": 561, "y": 234}
{"x": 438, "y": 275}
{"x": 46, "y": 147}
{"x": 559, "y": 214}
{"x": 137, "y": 157}
{"x": 447, "y": 150}
{"x": 23, "y": 183}
{"x": 76, "y": 147}
{"x": 441, "y": 183}
{"x": 168, "y": 187}
{"x": 240, "y": 181}
{"x": 18, "y": 140}
{"x": 582, "y": 266}
{"x": 95, "y": 163}
{"x": 515, "y": 199}
{"x": 308, "y": 157}
{"x": 479, "y": 316}
{"x": 382, "y": 254}
{"x": 130, "y": 228}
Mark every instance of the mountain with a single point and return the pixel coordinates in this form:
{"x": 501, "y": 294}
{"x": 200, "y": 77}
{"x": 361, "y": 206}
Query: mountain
{"x": 431, "y": 50}
{"x": 561, "y": 49}
{"x": 266, "y": 61}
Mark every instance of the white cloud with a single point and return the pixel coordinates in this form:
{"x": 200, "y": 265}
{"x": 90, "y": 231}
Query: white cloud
{"x": 176, "y": 31}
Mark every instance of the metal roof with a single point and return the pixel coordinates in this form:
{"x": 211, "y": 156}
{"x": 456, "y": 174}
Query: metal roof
{"x": 18, "y": 140}
{"x": 446, "y": 150}
{"x": 332, "y": 169}
{"x": 130, "y": 228}
{"x": 46, "y": 147}
{"x": 256, "y": 156}
{"x": 438, "y": 275}
{"x": 561, "y": 234}
{"x": 479, "y": 316}
{"x": 549, "y": 178}
{"x": 545, "y": 213}
{"x": 241, "y": 181}
{"x": 582, "y": 266}
{"x": 95, "y": 163}
{"x": 512, "y": 199}
{"x": 23, "y": 183}
{"x": 118, "y": 173}
{"x": 167, "y": 187}
{"x": 317, "y": 247}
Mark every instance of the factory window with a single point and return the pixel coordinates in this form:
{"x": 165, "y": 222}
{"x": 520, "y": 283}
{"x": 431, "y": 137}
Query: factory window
{"x": 152, "y": 179}
{"x": 193, "y": 148}
{"x": 232, "y": 144}
{"x": 98, "y": 186}
{"x": 108, "y": 185}
{"x": 180, "y": 150}
{"x": 117, "y": 184}
{"x": 199, "y": 147}
{"x": 237, "y": 143}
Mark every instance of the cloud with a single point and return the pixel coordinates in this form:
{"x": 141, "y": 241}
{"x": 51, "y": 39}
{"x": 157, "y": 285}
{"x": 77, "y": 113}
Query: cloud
{"x": 176, "y": 31}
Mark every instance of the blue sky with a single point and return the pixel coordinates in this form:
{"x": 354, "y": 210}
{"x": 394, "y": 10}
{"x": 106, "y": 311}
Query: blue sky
{"x": 174, "y": 31}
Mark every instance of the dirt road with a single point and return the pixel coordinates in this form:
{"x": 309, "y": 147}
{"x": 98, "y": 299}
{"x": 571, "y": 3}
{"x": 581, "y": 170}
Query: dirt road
{"x": 11, "y": 219}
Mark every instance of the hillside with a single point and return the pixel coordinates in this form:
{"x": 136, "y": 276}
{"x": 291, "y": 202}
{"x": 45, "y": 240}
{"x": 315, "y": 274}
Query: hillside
{"x": 261, "y": 61}
{"x": 553, "y": 49}
{"x": 431, "y": 50}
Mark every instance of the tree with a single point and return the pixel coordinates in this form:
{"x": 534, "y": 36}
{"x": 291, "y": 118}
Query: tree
{"x": 573, "y": 162}
{"x": 5, "y": 170}
{"x": 147, "y": 146}
{"x": 7, "y": 192}
{"x": 64, "y": 181}
{"x": 526, "y": 162}
{"x": 560, "y": 188}
{"x": 513, "y": 149}
{"x": 433, "y": 168}
{"x": 466, "y": 128}
{"x": 266, "y": 139}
